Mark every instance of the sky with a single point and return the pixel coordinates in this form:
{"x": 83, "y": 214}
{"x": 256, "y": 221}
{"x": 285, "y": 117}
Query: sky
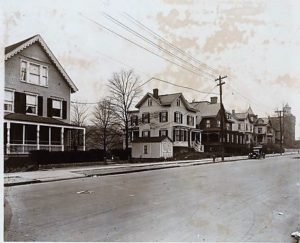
{"x": 255, "y": 43}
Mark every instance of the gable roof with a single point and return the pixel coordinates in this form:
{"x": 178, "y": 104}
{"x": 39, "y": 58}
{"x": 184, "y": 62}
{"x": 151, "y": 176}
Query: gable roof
{"x": 150, "y": 139}
{"x": 206, "y": 109}
{"x": 166, "y": 100}
{"x": 12, "y": 50}
{"x": 265, "y": 121}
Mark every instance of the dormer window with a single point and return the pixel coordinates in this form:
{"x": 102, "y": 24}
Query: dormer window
{"x": 34, "y": 73}
{"x": 178, "y": 102}
{"x": 149, "y": 102}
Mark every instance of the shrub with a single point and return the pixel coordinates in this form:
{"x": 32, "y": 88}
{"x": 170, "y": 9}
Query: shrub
{"x": 46, "y": 157}
{"x": 15, "y": 163}
{"x": 121, "y": 153}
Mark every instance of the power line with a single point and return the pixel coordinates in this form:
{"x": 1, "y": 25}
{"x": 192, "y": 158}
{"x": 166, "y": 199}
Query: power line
{"x": 117, "y": 22}
{"x": 157, "y": 36}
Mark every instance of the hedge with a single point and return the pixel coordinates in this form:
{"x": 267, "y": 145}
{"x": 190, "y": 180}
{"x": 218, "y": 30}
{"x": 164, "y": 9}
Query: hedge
{"x": 43, "y": 157}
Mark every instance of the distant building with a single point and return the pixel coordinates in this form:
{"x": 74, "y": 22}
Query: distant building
{"x": 209, "y": 122}
{"x": 245, "y": 122}
{"x": 264, "y": 132}
{"x": 288, "y": 123}
{"x": 37, "y": 101}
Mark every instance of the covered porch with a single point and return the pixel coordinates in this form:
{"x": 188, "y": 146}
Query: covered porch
{"x": 21, "y": 137}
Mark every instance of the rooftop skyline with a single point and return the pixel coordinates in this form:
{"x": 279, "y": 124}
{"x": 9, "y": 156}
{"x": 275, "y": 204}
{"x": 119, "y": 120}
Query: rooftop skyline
{"x": 255, "y": 43}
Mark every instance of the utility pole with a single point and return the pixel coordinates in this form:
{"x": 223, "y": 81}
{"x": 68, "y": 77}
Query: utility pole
{"x": 221, "y": 113}
{"x": 280, "y": 115}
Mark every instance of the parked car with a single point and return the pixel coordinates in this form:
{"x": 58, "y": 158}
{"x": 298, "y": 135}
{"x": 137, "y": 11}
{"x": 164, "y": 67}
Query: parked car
{"x": 257, "y": 153}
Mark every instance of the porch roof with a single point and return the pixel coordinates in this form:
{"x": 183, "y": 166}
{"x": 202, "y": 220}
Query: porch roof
{"x": 37, "y": 119}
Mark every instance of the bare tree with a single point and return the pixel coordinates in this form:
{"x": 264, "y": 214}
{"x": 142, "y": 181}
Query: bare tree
{"x": 105, "y": 123}
{"x": 124, "y": 89}
{"x": 79, "y": 114}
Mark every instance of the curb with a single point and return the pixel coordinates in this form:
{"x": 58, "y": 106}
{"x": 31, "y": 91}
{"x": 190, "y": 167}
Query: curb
{"x": 186, "y": 164}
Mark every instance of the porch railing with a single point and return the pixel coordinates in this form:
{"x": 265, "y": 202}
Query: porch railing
{"x": 26, "y": 148}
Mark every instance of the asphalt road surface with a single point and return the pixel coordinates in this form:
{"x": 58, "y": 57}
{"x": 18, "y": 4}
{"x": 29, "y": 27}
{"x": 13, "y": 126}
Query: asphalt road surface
{"x": 250, "y": 200}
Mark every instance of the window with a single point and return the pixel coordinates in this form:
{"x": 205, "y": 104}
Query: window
{"x": 207, "y": 125}
{"x": 31, "y": 104}
{"x": 9, "y": 100}
{"x": 177, "y": 117}
{"x": 177, "y": 135}
{"x": 190, "y": 120}
{"x": 57, "y": 108}
{"x": 149, "y": 102}
{"x": 145, "y": 149}
{"x": 259, "y": 130}
{"x": 163, "y": 116}
{"x": 246, "y": 127}
{"x": 146, "y": 133}
{"x": 239, "y": 126}
{"x": 146, "y": 117}
{"x": 34, "y": 73}
{"x": 134, "y": 120}
{"x": 218, "y": 123}
{"x": 163, "y": 133}
{"x": 178, "y": 102}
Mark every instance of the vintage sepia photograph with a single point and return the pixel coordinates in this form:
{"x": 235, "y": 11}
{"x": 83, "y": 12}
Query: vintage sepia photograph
{"x": 150, "y": 120}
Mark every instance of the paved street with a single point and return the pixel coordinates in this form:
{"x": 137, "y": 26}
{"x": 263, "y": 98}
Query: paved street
{"x": 249, "y": 200}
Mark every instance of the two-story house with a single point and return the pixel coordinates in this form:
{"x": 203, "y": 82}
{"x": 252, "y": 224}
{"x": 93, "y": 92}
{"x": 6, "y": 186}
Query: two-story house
{"x": 168, "y": 115}
{"x": 37, "y": 101}
{"x": 264, "y": 132}
{"x": 209, "y": 117}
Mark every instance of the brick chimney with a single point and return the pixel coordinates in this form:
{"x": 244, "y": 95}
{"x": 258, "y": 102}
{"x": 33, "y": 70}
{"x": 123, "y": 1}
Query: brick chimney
{"x": 214, "y": 100}
{"x": 155, "y": 93}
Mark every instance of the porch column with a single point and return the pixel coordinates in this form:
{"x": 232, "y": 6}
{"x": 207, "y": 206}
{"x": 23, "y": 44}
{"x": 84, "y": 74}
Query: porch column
{"x": 200, "y": 137}
{"x": 8, "y": 138}
{"x": 84, "y": 139}
{"x": 62, "y": 138}
{"x": 23, "y": 140}
{"x": 38, "y": 137}
{"x": 49, "y": 138}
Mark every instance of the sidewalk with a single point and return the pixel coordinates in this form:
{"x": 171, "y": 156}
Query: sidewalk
{"x": 58, "y": 174}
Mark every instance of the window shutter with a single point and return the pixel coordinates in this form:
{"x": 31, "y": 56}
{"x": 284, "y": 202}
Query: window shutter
{"x": 180, "y": 118}
{"x": 20, "y": 102}
{"x": 49, "y": 107}
{"x": 184, "y": 135}
{"x": 180, "y": 135}
{"x": 64, "y": 109}
{"x": 175, "y": 117}
{"x": 131, "y": 120}
{"x": 40, "y": 105}
{"x": 160, "y": 116}
{"x": 148, "y": 117}
{"x": 187, "y": 120}
{"x": 167, "y": 133}
{"x": 166, "y": 116}
{"x": 173, "y": 134}
{"x": 160, "y": 133}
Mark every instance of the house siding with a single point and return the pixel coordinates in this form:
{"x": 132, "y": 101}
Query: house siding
{"x": 57, "y": 86}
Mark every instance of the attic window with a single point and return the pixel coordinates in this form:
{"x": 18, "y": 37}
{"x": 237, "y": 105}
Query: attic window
{"x": 34, "y": 73}
{"x": 149, "y": 102}
{"x": 178, "y": 102}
